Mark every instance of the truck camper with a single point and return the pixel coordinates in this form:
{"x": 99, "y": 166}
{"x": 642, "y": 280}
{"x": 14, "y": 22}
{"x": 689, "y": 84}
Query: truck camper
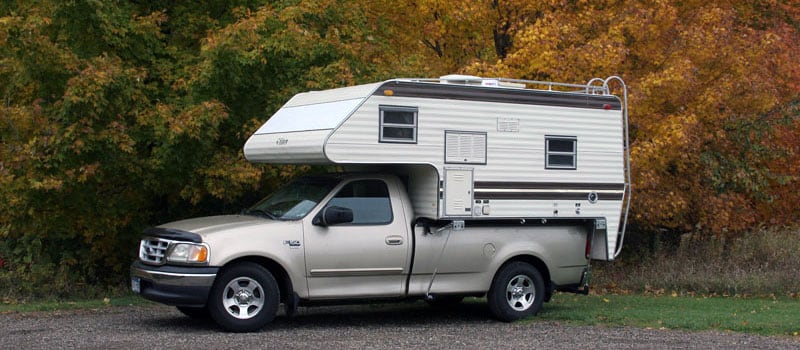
{"x": 451, "y": 187}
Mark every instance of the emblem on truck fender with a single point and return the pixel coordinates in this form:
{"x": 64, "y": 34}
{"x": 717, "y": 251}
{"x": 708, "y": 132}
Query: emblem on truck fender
{"x": 281, "y": 141}
{"x": 292, "y": 243}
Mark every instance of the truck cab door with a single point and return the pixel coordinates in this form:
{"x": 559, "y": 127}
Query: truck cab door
{"x": 368, "y": 257}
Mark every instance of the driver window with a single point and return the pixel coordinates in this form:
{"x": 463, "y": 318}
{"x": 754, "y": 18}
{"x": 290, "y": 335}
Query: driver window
{"x": 369, "y": 200}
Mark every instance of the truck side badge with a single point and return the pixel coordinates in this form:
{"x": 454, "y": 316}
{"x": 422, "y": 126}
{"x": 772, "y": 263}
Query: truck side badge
{"x": 294, "y": 244}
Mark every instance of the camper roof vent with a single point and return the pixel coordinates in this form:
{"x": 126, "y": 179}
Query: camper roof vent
{"x": 461, "y": 79}
{"x": 473, "y": 80}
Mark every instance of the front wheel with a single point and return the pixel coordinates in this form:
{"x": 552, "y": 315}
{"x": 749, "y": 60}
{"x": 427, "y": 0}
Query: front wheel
{"x": 516, "y": 292}
{"x": 244, "y": 298}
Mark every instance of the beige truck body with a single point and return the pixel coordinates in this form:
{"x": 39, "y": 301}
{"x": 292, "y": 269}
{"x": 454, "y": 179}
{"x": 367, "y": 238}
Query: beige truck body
{"x": 393, "y": 260}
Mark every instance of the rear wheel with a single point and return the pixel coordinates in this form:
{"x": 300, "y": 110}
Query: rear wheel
{"x": 245, "y": 298}
{"x": 516, "y": 292}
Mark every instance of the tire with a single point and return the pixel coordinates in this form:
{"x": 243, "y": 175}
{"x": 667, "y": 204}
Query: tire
{"x": 194, "y": 312}
{"x": 517, "y": 292}
{"x": 244, "y": 298}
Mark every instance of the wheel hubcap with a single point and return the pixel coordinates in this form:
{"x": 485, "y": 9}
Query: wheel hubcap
{"x": 243, "y": 298}
{"x": 520, "y": 293}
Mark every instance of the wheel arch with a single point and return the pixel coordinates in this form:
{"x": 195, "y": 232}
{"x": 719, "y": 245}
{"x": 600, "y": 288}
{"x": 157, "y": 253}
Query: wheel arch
{"x": 537, "y": 263}
{"x": 277, "y": 270}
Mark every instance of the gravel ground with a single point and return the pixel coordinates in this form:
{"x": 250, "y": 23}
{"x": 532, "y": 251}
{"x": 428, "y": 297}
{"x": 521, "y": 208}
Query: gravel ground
{"x": 406, "y": 326}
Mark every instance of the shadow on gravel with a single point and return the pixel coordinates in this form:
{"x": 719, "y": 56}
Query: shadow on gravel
{"x": 401, "y": 314}
{"x": 404, "y": 314}
{"x": 182, "y": 324}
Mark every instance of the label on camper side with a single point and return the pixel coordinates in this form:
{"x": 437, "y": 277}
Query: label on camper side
{"x": 507, "y": 125}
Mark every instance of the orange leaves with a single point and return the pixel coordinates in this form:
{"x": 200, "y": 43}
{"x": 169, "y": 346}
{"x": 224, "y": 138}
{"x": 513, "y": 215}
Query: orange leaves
{"x": 703, "y": 79}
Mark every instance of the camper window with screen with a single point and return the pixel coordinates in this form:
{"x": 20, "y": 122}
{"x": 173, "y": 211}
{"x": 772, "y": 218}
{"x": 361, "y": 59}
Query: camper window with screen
{"x": 398, "y": 124}
{"x": 561, "y": 152}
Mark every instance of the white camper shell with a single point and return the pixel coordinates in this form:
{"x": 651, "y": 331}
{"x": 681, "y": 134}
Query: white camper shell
{"x": 472, "y": 148}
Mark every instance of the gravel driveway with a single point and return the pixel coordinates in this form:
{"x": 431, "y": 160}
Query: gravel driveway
{"x": 406, "y": 326}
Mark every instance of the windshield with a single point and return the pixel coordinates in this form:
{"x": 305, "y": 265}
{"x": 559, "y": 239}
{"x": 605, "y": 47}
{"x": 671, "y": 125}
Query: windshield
{"x": 295, "y": 200}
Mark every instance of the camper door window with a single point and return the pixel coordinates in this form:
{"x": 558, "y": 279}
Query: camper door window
{"x": 398, "y": 124}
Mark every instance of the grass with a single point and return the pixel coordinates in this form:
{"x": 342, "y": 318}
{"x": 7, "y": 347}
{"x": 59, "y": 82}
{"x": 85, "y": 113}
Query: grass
{"x": 764, "y": 316}
{"x": 55, "y": 305}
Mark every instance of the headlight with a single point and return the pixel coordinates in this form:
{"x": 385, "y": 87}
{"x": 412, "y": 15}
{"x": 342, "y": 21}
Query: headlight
{"x": 188, "y": 253}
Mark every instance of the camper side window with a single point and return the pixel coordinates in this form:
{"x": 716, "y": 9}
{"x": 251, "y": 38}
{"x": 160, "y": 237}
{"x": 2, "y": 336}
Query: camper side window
{"x": 561, "y": 152}
{"x": 398, "y": 124}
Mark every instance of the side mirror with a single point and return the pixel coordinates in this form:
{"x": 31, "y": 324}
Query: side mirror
{"x": 333, "y": 215}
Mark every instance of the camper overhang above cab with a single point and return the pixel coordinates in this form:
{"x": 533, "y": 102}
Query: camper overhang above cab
{"x": 297, "y": 132}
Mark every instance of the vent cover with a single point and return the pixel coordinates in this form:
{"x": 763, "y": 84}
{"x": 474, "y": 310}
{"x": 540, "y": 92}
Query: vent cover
{"x": 465, "y": 147}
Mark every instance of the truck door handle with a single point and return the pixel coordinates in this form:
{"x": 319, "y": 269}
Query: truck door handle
{"x": 394, "y": 240}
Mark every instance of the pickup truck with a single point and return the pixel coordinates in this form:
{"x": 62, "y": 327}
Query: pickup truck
{"x": 345, "y": 237}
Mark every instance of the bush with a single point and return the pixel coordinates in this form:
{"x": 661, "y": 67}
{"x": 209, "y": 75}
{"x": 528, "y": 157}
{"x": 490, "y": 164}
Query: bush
{"x": 762, "y": 262}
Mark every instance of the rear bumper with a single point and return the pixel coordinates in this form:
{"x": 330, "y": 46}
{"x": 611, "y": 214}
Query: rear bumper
{"x": 174, "y": 285}
{"x": 580, "y": 288}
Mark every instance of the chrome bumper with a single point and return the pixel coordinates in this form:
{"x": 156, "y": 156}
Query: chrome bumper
{"x": 173, "y": 285}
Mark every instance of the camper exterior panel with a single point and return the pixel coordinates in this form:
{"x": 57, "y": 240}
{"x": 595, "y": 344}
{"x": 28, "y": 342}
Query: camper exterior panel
{"x": 513, "y": 156}
{"x": 287, "y": 148}
{"x": 423, "y": 189}
{"x": 561, "y": 209}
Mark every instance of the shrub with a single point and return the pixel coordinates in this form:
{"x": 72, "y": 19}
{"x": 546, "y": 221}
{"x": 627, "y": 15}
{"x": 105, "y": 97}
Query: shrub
{"x": 761, "y": 262}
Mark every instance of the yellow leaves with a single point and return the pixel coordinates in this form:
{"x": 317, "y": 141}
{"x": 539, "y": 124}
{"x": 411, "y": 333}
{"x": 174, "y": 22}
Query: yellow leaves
{"x": 99, "y": 83}
{"x": 117, "y": 133}
{"x": 82, "y": 173}
{"x": 46, "y": 184}
{"x": 198, "y": 121}
{"x": 226, "y": 176}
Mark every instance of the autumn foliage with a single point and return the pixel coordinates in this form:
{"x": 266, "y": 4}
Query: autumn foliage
{"x": 120, "y": 115}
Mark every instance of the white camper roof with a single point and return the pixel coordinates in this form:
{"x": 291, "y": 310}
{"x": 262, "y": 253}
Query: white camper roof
{"x": 317, "y": 110}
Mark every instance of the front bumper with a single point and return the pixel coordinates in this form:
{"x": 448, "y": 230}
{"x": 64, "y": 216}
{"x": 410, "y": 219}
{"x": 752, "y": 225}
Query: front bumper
{"x": 174, "y": 285}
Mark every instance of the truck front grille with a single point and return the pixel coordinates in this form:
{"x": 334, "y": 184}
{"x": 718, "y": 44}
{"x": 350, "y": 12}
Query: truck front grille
{"x": 153, "y": 250}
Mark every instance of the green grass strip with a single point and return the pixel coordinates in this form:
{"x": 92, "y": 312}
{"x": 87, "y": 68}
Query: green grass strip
{"x": 765, "y": 316}
{"x": 54, "y": 305}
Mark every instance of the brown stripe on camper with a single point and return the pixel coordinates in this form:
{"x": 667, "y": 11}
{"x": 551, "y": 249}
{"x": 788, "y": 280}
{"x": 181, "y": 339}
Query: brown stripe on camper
{"x": 503, "y": 95}
{"x": 546, "y": 190}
